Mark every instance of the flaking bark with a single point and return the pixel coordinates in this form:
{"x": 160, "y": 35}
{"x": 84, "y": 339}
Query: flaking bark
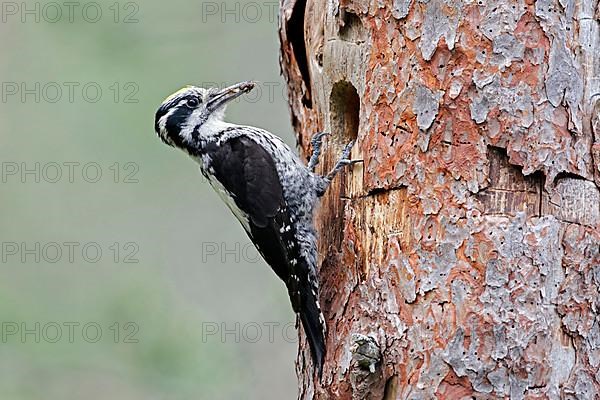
{"x": 462, "y": 258}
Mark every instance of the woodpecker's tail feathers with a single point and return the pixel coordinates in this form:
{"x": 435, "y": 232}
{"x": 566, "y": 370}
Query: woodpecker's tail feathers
{"x": 314, "y": 326}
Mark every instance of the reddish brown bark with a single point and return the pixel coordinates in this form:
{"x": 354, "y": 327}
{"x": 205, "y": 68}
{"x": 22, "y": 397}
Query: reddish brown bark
{"x": 462, "y": 259}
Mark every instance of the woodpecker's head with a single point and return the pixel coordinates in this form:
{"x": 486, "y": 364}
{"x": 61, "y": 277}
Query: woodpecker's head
{"x": 187, "y": 110}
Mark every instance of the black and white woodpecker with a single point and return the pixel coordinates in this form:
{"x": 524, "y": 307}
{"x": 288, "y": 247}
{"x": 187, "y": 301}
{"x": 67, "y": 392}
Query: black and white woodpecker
{"x": 266, "y": 186}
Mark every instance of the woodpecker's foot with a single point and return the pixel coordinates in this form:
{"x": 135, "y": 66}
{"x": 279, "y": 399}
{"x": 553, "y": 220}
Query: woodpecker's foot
{"x": 343, "y": 162}
{"x": 316, "y": 142}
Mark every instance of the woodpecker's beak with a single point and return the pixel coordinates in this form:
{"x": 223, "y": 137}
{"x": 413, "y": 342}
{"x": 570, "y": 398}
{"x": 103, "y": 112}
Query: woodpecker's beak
{"x": 222, "y": 97}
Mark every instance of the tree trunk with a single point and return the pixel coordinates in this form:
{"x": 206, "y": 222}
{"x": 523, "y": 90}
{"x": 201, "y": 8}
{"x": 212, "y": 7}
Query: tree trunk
{"x": 462, "y": 258}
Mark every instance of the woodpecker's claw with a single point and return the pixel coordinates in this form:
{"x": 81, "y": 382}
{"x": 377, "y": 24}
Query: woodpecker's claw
{"x": 347, "y": 150}
{"x": 318, "y": 138}
{"x": 344, "y": 161}
{"x": 316, "y": 142}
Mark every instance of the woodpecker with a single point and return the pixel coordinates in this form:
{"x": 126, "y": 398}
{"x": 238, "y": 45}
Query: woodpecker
{"x": 266, "y": 186}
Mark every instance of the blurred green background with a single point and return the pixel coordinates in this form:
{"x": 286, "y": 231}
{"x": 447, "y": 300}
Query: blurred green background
{"x": 196, "y": 270}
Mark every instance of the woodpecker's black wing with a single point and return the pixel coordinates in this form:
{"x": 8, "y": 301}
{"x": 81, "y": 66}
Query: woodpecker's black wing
{"x": 248, "y": 173}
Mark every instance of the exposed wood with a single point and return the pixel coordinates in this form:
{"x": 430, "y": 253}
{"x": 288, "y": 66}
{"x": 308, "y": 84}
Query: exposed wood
{"x": 509, "y": 191}
{"x": 461, "y": 259}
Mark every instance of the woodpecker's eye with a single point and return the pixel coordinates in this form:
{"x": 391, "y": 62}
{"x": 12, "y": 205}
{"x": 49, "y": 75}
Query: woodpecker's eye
{"x": 193, "y": 102}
